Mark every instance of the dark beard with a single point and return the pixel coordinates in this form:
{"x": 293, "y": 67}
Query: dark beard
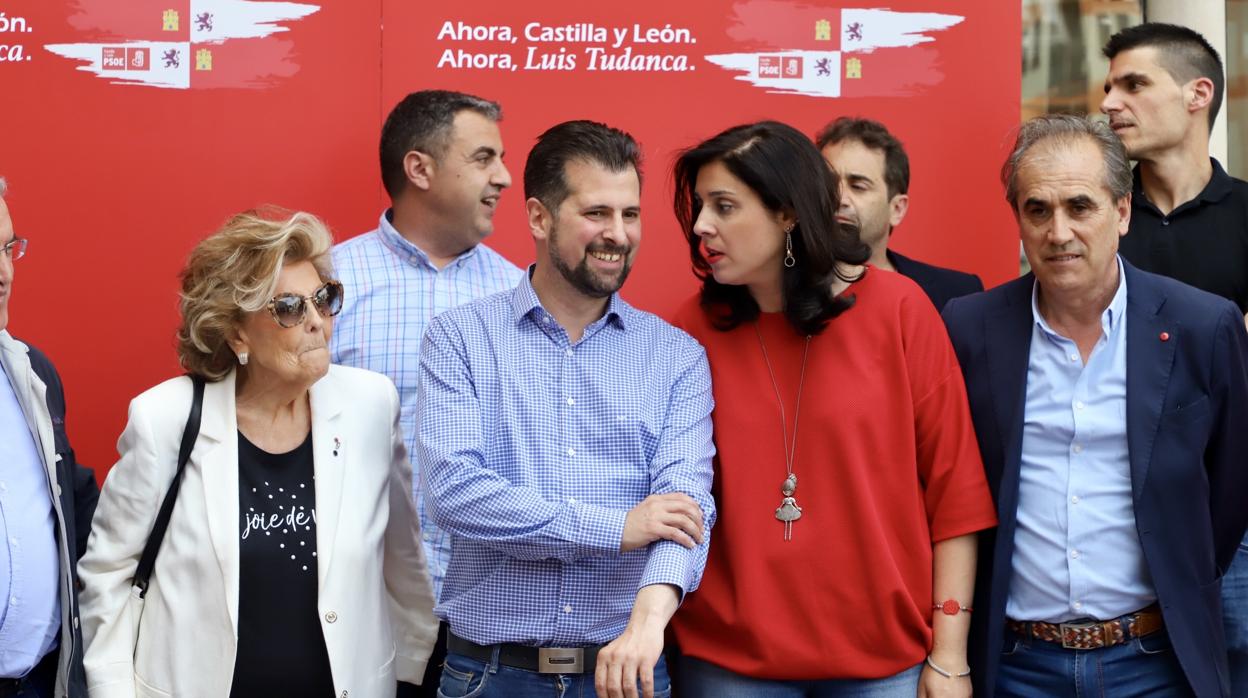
{"x": 581, "y": 277}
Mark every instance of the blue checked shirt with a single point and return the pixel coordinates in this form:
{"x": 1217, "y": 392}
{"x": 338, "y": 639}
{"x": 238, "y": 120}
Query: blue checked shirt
{"x": 533, "y": 449}
{"x": 392, "y": 292}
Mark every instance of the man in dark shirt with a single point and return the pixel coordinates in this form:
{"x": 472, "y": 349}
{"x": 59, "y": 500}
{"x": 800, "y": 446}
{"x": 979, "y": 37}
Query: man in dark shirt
{"x": 1189, "y": 219}
{"x": 874, "y": 173}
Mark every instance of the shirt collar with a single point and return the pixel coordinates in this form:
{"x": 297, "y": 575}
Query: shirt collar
{"x": 524, "y": 302}
{"x": 1217, "y": 188}
{"x": 1110, "y": 319}
{"x": 405, "y": 249}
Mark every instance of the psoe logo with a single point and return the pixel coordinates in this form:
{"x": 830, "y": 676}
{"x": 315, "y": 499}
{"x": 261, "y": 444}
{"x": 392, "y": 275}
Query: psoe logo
{"x": 138, "y": 59}
{"x": 768, "y": 66}
{"x": 792, "y": 67}
{"x": 113, "y": 58}
{"x": 780, "y": 67}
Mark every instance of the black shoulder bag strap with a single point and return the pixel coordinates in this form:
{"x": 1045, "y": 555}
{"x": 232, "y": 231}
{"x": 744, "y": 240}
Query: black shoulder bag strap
{"x": 148, "y": 560}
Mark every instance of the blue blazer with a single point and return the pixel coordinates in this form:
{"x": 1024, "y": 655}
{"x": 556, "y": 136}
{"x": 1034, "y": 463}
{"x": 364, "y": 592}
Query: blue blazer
{"x": 1187, "y": 437}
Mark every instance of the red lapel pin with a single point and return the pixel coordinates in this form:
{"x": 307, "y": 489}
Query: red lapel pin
{"x": 1164, "y": 336}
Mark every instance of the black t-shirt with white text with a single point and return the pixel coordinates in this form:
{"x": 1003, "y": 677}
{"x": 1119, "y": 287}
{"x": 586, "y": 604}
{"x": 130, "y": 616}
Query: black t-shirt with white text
{"x": 281, "y": 650}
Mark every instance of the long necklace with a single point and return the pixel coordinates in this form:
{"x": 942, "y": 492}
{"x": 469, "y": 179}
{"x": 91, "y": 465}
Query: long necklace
{"x": 788, "y": 511}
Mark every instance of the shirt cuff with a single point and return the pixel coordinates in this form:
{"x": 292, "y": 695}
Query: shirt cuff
{"x": 599, "y": 530}
{"x": 670, "y": 563}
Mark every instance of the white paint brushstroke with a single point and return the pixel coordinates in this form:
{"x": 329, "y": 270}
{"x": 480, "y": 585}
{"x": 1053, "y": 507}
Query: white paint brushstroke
{"x": 156, "y": 76}
{"x": 888, "y": 29}
{"x": 810, "y": 84}
{"x": 244, "y": 19}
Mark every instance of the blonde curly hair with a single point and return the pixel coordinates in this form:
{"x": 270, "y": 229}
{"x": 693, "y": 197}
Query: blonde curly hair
{"x": 233, "y": 272}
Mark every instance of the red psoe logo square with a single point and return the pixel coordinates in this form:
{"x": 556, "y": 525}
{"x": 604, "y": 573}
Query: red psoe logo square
{"x": 769, "y": 66}
{"x": 113, "y": 58}
{"x": 792, "y": 66}
{"x": 138, "y": 59}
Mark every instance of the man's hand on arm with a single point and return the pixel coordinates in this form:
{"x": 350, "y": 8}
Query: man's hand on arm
{"x": 674, "y": 516}
{"x": 629, "y": 660}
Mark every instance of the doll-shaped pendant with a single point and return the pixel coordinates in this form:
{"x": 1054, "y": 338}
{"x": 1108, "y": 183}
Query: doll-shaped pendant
{"x": 788, "y": 511}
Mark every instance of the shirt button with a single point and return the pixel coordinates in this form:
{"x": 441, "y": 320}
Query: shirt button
{"x": 1079, "y": 404}
{"x": 12, "y": 600}
{"x": 568, "y": 352}
{"x": 571, "y": 500}
{"x": 1074, "y": 554}
{"x": 567, "y": 609}
{"x": 1074, "y": 499}
{"x": 331, "y": 617}
{"x": 1165, "y": 221}
{"x": 13, "y": 541}
{"x": 1074, "y": 357}
{"x": 1078, "y": 605}
{"x": 571, "y": 401}
{"x": 1078, "y": 448}
{"x": 571, "y": 451}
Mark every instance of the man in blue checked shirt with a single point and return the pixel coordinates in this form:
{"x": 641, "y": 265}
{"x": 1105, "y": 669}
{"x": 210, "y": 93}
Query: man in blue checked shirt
{"x": 564, "y": 441}
{"x": 441, "y": 163}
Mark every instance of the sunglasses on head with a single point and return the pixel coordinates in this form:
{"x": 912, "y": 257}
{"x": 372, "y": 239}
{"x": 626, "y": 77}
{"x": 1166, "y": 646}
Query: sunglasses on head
{"x": 288, "y": 308}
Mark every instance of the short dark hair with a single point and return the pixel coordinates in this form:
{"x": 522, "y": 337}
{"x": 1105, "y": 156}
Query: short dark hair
{"x": 1065, "y": 129}
{"x": 1184, "y": 54}
{"x": 875, "y": 136}
{"x": 545, "y": 172}
{"x": 423, "y": 121}
{"x": 779, "y": 164}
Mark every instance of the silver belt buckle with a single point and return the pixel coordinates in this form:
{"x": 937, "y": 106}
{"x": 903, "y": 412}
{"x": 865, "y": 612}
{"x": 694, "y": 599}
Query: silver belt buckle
{"x": 560, "y": 660}
{"x": 1075, "y": 628}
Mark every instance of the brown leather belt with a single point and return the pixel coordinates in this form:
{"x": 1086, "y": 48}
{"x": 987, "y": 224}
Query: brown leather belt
{"x": 1094, "y": 634}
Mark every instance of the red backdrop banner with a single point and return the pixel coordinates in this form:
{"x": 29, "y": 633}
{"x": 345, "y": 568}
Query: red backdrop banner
{"x": 132, "y": 129}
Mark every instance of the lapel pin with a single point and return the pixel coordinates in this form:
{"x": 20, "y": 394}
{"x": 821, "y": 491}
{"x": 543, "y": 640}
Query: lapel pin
{"x": 1164, "y": 336}
{"x": 337, "y": 445}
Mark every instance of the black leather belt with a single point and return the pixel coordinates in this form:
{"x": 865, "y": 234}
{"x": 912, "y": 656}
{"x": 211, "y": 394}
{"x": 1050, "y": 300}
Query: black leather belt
{"x": 543, "y": 660}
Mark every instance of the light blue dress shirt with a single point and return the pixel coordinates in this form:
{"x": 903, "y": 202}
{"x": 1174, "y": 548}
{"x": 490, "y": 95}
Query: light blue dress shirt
{"x": 533, "y": 449}
{"x": 392, "y": 292}
{"x": 30, "y": 567}
{"x": 1076, "y": 550}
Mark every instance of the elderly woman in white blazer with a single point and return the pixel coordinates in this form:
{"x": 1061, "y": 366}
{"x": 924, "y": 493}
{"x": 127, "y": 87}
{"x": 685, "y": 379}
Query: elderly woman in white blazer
{"x": 258, "y": 590}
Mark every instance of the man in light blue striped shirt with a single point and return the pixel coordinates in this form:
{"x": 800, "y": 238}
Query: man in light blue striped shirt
{"x": 441, "y": 162}
{"x": 565, "y": 442}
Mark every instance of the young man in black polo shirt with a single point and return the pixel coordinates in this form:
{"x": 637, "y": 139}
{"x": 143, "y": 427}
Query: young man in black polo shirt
{"x": 1189, "y": 219}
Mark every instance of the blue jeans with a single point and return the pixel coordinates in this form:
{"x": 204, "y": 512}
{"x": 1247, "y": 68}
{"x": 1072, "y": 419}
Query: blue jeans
{"x": 468, "y": 678}
{"x": 1145, "y": 666}
{"x": 699, "y": 679}
{"x": 1235, "y": 619}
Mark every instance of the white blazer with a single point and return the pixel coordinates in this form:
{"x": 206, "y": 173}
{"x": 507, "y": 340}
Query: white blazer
{"x": 375, "y": 599}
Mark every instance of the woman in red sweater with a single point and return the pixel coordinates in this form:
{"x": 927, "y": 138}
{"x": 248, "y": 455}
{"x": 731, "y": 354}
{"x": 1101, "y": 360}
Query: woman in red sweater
{"x": 849, "y": 482}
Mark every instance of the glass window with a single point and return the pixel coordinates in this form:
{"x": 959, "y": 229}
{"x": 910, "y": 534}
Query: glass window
{"x": 1063, "y": 69}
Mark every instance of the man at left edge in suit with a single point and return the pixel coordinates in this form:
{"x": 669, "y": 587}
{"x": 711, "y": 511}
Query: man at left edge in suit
{"x": 1111, "y": 408}
{"x": 46, "y": 503}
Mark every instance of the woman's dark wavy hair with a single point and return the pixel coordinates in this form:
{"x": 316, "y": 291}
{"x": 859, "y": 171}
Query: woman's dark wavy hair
{"x": 788, "y": 174}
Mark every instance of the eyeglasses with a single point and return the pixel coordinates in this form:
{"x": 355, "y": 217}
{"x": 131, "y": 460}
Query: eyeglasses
{"x": 15, "y": 249}
{"x": 288, "y": 308}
